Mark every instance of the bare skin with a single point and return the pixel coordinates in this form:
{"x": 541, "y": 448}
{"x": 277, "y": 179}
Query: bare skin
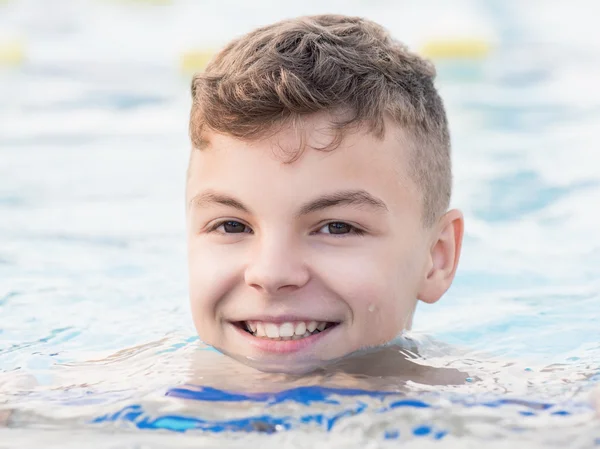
{"x": 383, "y": 369}
{"x": 334, "y": 237}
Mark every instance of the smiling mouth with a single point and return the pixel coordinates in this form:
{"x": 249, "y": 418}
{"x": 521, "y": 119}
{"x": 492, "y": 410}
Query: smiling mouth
{"x": 291, "y": 330}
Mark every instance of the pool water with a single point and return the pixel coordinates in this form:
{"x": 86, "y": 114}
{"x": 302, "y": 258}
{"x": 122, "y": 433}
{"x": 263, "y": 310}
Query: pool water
{"x": 97, "y": 348}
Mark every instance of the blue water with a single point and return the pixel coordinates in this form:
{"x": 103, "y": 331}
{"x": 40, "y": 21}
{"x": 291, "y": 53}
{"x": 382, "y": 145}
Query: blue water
{"x": 97, "y": 347}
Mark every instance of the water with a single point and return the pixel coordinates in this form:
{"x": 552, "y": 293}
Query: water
{"x": 96, "y": 342}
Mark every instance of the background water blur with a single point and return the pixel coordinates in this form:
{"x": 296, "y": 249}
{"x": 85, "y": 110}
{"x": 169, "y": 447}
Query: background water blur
{"x": 93, "y": 149}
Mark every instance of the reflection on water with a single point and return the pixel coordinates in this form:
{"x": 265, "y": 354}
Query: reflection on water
{"x": 417, "y": 389}
{"x": 96, "y": 342}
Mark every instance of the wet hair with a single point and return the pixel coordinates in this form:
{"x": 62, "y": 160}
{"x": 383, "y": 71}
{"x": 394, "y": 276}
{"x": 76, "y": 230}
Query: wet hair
{"x": 281, "y": 73}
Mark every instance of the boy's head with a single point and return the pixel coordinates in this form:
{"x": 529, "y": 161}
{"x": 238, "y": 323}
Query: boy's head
{"x": 317, "y": 193}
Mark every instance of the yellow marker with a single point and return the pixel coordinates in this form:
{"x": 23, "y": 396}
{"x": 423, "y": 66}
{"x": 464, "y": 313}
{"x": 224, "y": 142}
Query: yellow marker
{"x": 195, "y": 60}
{"x": 12, "y": 53}
{"x": 456, "y": 49}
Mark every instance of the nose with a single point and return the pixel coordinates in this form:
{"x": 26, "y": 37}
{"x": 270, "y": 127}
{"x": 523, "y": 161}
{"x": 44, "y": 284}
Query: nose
{"x": 276, "y": 266}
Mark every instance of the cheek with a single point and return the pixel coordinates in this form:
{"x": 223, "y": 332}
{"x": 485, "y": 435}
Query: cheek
{"x": 213, "y": 272}
{"x": 380, "y": 285}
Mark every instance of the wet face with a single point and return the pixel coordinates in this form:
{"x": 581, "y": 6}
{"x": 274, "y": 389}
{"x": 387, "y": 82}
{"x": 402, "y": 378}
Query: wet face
{"x": 295, "y": 264}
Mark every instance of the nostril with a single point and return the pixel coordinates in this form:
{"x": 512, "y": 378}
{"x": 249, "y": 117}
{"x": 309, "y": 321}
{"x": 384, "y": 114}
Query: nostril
{"x": 276, "y": 273}
{"x": 273, "y": 289}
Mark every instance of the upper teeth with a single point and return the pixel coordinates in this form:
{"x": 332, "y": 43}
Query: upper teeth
{"x": 285, "y": 331}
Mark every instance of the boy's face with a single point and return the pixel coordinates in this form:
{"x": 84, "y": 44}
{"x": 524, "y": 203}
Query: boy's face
{"x": 333, "y": 240}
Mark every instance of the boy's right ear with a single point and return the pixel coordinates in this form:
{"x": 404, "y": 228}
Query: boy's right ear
{"x": 444, "y": 255}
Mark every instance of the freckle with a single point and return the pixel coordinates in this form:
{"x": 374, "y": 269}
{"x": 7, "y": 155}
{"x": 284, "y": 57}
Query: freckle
{"x": 372, "y": 308}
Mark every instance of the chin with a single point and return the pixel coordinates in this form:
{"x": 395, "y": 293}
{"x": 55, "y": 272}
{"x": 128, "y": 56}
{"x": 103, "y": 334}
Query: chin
{"x": 282, "y": 365}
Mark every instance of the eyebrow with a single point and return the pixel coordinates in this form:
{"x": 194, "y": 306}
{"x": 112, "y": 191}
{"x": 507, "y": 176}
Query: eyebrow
{"x": 341, "y": 198}
{"x": 210, "y": 197}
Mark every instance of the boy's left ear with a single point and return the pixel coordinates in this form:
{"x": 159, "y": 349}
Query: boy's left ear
{"x": 443, "y": 257}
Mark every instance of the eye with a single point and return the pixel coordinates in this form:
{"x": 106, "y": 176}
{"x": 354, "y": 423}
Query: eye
{"x": 339, "y": 228}
{"x": 232, "y": 227}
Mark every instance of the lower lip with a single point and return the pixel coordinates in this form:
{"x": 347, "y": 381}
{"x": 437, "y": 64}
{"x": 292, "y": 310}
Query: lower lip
{"x": 283, "y": 346}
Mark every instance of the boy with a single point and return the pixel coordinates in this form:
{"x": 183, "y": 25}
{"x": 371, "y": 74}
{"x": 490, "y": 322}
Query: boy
{"x": 317, "y": 193}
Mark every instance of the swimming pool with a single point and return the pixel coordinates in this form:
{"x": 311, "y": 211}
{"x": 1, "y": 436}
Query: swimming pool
{"x": 96, "y": 343}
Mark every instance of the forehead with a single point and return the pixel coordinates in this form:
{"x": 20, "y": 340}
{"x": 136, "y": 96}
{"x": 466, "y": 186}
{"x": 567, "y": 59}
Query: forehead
{"x": 360, "y": 160}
